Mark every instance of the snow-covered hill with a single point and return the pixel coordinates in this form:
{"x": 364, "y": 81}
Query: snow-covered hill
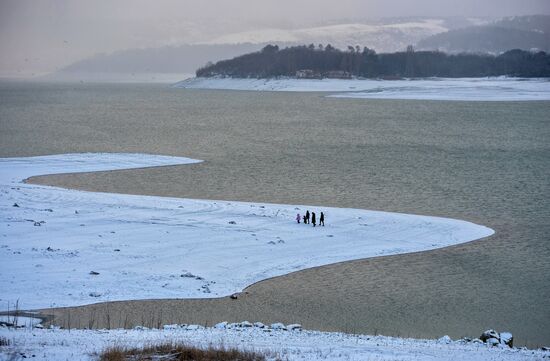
{"x": 520, "y": 32}
{"x": 382, "y": 37}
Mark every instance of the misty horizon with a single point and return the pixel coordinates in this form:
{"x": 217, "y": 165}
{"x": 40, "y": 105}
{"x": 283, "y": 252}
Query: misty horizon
{"x": 43, "y": 37}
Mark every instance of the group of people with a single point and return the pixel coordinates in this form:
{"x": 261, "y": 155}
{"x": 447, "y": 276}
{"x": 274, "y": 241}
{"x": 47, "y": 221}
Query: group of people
{"x": 306, "y": 218}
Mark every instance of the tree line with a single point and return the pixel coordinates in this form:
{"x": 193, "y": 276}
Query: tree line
{"x": 322, "y": 61}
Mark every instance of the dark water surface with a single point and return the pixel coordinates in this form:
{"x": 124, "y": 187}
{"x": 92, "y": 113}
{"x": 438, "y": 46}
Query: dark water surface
{"x": 486, "y": 162}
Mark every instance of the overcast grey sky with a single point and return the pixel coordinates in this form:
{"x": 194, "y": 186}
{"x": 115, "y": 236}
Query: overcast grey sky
{"x": 39, "y": 36}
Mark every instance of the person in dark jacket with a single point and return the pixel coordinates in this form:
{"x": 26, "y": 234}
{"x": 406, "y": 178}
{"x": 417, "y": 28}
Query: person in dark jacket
{"x": 305, "y": 221}
{"x": 322, "y": 219}
{"x": 307, "y": 216}
{"x": 313, "y": 220}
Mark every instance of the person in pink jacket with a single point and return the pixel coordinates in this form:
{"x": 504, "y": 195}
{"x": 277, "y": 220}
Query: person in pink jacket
{"x": 298, "y": 218}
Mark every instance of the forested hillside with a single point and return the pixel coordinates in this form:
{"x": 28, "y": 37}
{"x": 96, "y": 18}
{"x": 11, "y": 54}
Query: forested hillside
{"x": 318, "y": 61}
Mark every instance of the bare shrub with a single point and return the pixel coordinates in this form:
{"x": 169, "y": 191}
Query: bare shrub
{"x": 4, "y": 341}
{"x": 178, "y": 352}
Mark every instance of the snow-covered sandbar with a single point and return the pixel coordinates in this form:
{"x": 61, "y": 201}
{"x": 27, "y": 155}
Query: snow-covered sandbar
{"x": 64, "y": 247}
{"x": 460, "y": 89}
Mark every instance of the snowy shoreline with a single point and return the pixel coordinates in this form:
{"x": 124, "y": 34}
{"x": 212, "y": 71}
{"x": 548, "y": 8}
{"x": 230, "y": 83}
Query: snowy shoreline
{"x": 455, "y": 89}
{"x": 61, "y": 344}
{"x": 66, "y": 247}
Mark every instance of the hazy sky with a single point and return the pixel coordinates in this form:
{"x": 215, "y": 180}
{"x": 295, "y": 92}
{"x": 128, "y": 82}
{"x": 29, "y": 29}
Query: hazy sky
{"x": 38, "y": 36}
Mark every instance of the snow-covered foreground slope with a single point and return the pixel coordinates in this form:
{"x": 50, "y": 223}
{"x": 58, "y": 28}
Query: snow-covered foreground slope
{"x": 58, "y": 344}
{"x": 53, "y": 240}
{"x": 467, "y": 89}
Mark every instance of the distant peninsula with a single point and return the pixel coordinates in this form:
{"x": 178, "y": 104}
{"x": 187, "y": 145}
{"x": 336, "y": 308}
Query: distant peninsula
{"x": 312, "y": 62}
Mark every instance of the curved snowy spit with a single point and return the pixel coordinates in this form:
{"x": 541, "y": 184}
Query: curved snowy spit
{"x": 455, "y": 89}
{"x": 64, "y": 247}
